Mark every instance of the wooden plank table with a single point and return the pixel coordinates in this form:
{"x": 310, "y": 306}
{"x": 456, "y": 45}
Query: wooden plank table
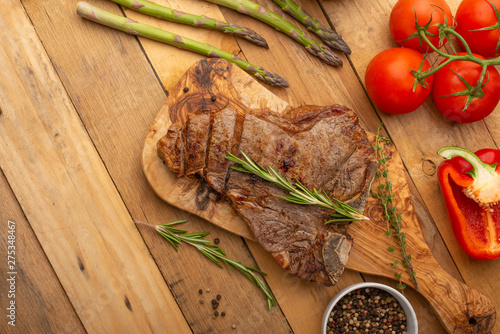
{"x": 76, "y": 102}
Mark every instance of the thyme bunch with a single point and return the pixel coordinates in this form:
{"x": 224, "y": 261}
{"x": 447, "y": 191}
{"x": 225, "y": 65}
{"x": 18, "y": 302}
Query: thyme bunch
{"x": 391, "y": 216}
{"x": 299, "y": 194}
{"x": 212, "y": 251}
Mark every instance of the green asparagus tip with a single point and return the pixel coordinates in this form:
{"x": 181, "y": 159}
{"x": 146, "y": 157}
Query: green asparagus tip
{"x": 324, "y": 53}
{"x": 339, "y": 44}
{"x": 274, "y": 80}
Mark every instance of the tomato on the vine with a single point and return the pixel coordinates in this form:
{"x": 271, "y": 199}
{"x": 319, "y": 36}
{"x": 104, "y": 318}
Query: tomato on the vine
{"x": 389, "y": 80}
{"x": 479, "y": 14}
{"x": 447, "y": 82}
{"x": 402, "y": 21}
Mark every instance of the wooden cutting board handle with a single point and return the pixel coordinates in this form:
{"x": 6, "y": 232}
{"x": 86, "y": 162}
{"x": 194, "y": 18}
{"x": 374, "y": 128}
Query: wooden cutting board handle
{"x": 460, "y": 308}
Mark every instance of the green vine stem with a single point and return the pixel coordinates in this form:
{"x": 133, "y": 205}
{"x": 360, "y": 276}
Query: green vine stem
{"x": 391, "y": 216}
{"x": 451, "y": 58}
{"x": 445, "y": 31}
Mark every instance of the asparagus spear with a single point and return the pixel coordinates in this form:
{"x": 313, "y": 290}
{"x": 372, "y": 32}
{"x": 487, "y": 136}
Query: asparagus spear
{"x": 250, "y": 8}
{"x": 330, "y": 37}
{"x": 132, "y": 27}
{"x": 173, "y": 15}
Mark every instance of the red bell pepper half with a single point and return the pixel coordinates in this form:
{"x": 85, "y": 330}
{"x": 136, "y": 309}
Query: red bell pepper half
{"x": 470, "y": 184}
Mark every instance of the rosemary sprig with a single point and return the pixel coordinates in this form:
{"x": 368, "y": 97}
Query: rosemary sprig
{"x": 299, "y": 194}
{"x": 392, "y": 217}
{"x": 177, "y": 236}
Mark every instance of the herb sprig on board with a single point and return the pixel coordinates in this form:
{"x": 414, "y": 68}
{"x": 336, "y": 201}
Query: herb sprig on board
{"x": 391, "y": 216}
{"x": 299, "y": 194}
{"x": 177, "y": 236}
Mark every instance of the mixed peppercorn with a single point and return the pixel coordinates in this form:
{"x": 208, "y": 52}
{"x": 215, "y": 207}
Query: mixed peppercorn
{"x": 215, "y": 302}
{"x": 367, "y": 310}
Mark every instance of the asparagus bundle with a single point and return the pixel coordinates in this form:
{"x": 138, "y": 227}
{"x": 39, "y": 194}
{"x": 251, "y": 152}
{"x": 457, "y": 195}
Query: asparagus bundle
{"x": 330, "y": 37}
{"x": 173, "y": 15}
{"x": 250, "y": 8}
{"x": 132, "y": 27}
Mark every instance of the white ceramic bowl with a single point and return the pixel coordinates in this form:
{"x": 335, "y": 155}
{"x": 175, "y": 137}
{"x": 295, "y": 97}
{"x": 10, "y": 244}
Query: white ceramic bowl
{"x": 411, "y": 318}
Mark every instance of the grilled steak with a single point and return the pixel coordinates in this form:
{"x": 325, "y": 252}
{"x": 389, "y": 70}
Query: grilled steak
{"x": 221, "y": 142}
{"x": 322, "y": 147}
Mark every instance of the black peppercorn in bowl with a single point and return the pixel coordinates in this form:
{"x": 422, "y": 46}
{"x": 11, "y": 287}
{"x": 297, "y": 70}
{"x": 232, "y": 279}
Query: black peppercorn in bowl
{"x": 369, "y": 308}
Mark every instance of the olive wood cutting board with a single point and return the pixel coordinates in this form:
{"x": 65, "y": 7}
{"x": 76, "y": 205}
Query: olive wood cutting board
{"x": 215, "y": 82}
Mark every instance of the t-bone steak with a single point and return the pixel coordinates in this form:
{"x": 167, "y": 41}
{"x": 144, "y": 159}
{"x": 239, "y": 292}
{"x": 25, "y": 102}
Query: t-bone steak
{"x": 322, "y": 147}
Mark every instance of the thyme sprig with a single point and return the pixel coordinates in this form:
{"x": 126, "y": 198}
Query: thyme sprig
{"x": 299, "y": 194}
{"x": 177, "y": 236}
{"x": 391, "y": 216}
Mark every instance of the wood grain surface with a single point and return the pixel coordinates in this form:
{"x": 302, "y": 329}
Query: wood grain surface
{"x": 41, "y": 301}
{"x": 76, "y": 102}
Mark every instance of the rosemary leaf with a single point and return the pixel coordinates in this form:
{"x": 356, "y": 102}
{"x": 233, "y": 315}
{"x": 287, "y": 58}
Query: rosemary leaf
{"x": 170, "y": 239}
{"x": 210, "y": 256}
{"x": 213, "y": 252}
{"x": 338, "y": 221}
{"x": 299, "y": 194}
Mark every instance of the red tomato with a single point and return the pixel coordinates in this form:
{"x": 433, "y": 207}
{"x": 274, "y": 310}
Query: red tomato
{"x": 446, "y": 82}
{"x": 402, "y": 21}
{"x": 389, "y": 80}
{"x": 477, "y": 14}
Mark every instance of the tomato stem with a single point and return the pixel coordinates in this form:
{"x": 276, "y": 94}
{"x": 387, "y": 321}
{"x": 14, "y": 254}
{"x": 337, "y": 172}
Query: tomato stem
{"x": 484, "y": 63}
{"x": 445, "y": 31}
{"x": 496, "y": 26}
{"x": 479, "y": 85}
